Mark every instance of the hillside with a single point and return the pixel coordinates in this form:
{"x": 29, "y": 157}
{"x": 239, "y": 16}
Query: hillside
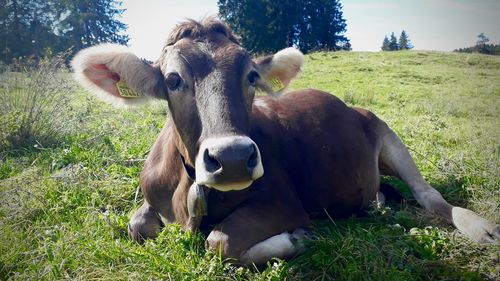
{"x": 66, "y": 199}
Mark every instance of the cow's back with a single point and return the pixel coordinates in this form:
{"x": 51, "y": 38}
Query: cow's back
{"x": 326, "y": 148}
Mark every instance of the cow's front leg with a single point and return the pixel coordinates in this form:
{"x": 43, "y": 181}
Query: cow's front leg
{"x": 257, "y": 232}
{"x": 283, "y": 246}
{"x": 145, "y": 223}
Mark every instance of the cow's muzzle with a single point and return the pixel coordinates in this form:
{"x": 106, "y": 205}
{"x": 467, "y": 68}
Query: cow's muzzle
{"x": 228, "y": 163}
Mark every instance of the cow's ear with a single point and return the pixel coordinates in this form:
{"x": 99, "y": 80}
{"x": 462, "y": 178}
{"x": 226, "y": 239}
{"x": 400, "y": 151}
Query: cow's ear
{"x": 117, "y": 76}
{"x": 280, "y": 69}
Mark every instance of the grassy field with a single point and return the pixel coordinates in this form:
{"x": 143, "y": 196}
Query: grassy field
{"x": 69, "y": 178}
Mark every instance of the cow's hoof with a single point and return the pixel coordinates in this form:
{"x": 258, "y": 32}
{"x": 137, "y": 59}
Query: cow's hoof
{"x": 475, "y": 227}
{"x": 144, "y": 223}
{"x": 134, "y": 234}
{"x": 492, "y": 236}
{"x": 298, "y": 238}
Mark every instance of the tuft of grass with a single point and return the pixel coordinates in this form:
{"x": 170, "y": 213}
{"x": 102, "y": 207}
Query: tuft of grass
{"x": 35, "y": 106}
{"x": 364, "y": 99}
{"x": 65, "y": 207}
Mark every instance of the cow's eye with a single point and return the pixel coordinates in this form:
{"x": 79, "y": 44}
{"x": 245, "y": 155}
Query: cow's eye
{"x": 173, "y": 81}
{"x": 253, "y": 76}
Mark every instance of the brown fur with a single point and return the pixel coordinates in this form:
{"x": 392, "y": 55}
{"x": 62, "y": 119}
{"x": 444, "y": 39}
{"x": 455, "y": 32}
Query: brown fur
{"x": 314, "y": 150}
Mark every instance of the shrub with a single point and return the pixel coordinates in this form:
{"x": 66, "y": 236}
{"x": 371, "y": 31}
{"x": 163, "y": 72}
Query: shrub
{"x": 34, "y": 103}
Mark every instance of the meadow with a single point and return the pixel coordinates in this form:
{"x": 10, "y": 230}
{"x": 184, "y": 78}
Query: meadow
{"x": 70, "y": 164}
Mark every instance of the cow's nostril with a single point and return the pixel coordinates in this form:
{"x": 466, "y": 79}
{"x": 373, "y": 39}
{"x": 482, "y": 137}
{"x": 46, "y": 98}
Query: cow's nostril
{"x": 211, "y": 163}
{"x": 252, "y": 160}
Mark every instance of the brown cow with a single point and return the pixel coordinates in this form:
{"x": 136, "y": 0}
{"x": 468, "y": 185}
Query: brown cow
{"x": 271, "y": 163}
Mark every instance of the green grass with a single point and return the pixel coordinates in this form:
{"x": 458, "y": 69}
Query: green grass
{"x": 65, "y": 204}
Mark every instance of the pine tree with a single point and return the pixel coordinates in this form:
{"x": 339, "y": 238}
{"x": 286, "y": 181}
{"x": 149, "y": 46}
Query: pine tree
{"x": 404, "y": 41}
{"x": 25, "y": 28}
{"x": 386, "y": 44}
{"x": 262, "y": 25}
{"x": 270, "y": 25}
{"x": 322, "y": 26}
{"x": 41, "y": 27}
{"x": 393, "y": 43}
{"x": 93, "y": 22}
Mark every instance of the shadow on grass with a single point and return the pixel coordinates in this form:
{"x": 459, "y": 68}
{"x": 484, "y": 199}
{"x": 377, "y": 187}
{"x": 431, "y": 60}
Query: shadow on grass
{"x": 392, "y": 243}
{"x": 368, "y": 249}
{"x": 450, "y": 187}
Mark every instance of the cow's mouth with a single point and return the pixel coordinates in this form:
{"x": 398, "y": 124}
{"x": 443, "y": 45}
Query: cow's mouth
{"x": 230, "y": 186}
{"x": 226, "y": 163}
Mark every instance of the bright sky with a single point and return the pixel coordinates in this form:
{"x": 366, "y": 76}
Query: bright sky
{"x": 431, "y": 24}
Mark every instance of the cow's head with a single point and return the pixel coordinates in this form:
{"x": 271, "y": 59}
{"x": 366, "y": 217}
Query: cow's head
{"x": 209, "y": 81}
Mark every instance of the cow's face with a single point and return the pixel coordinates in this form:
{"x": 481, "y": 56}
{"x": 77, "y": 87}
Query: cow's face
{"x": 210, "y": 82}
{"x": 211, "y": 85}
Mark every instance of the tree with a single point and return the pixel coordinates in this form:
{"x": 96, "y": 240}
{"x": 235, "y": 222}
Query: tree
{"x": 270, "y": 25}
{"x": 482, "y": 47}
{"x": 25, "y": 27}
{"x": 386, "y": 44}
{"x": 93, "y": 22}
{"x": 393, "y": 43}
{"x": 404, "y": 41}
{"x": 41, "y": 27}
{"x": 322, "y": 26}
{"x": 263, "y": 27}
{"x": 483, "y": 39}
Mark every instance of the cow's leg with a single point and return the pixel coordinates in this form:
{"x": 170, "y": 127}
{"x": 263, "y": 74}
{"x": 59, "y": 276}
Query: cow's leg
{"x": 255, "y": 233}
{"x": 283, "y": 246}
{"x": 145, "y": 223}
{"x": 394, "y": 159}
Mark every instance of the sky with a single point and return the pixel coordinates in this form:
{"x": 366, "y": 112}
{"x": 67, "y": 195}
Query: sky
{"x": 442, "y": 25}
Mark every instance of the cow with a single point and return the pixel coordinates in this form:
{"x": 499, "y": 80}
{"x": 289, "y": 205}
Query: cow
{"x": 251, "y": 170}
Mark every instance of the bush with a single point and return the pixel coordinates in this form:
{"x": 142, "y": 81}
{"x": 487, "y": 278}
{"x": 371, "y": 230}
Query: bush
{"x": 34, "y": 103}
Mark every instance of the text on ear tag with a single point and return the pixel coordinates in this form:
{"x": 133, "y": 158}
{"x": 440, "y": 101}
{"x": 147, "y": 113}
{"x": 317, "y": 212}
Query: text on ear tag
{"x": 276, "y": 84}
{"x": 125, "y": 91}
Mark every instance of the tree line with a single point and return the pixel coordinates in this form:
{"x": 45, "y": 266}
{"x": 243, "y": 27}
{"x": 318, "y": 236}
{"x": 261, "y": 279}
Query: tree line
{"x": 43, "y": 27}
{"x": 270, "y": 25}
{"x": 482, "y": 46}
{"x": 393, "y": 44}
{"x": 40, "y": 28}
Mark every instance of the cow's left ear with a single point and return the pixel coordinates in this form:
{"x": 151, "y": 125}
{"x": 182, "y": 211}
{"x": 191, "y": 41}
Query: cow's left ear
{"x": 116, "y": 75}
{"x": 280, "y": 69}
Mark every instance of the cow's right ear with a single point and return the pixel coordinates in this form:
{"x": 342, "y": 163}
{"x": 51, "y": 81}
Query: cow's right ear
{"x": 116, "y": 75}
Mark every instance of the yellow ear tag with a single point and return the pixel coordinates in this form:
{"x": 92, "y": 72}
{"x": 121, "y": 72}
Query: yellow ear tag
{"x": 276, "y": 84}
{"x": 125, "y": 91}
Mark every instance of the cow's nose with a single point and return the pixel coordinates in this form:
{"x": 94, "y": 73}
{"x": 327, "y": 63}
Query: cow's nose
{"x": 228, "y": 163}
{"x": 237, "y": 158}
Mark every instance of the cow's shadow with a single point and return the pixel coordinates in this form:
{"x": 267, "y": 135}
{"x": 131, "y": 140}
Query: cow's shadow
{"x": 399, "y": 241}
{"x": 450, "y": 187}
{"x": 374, "y": 248}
